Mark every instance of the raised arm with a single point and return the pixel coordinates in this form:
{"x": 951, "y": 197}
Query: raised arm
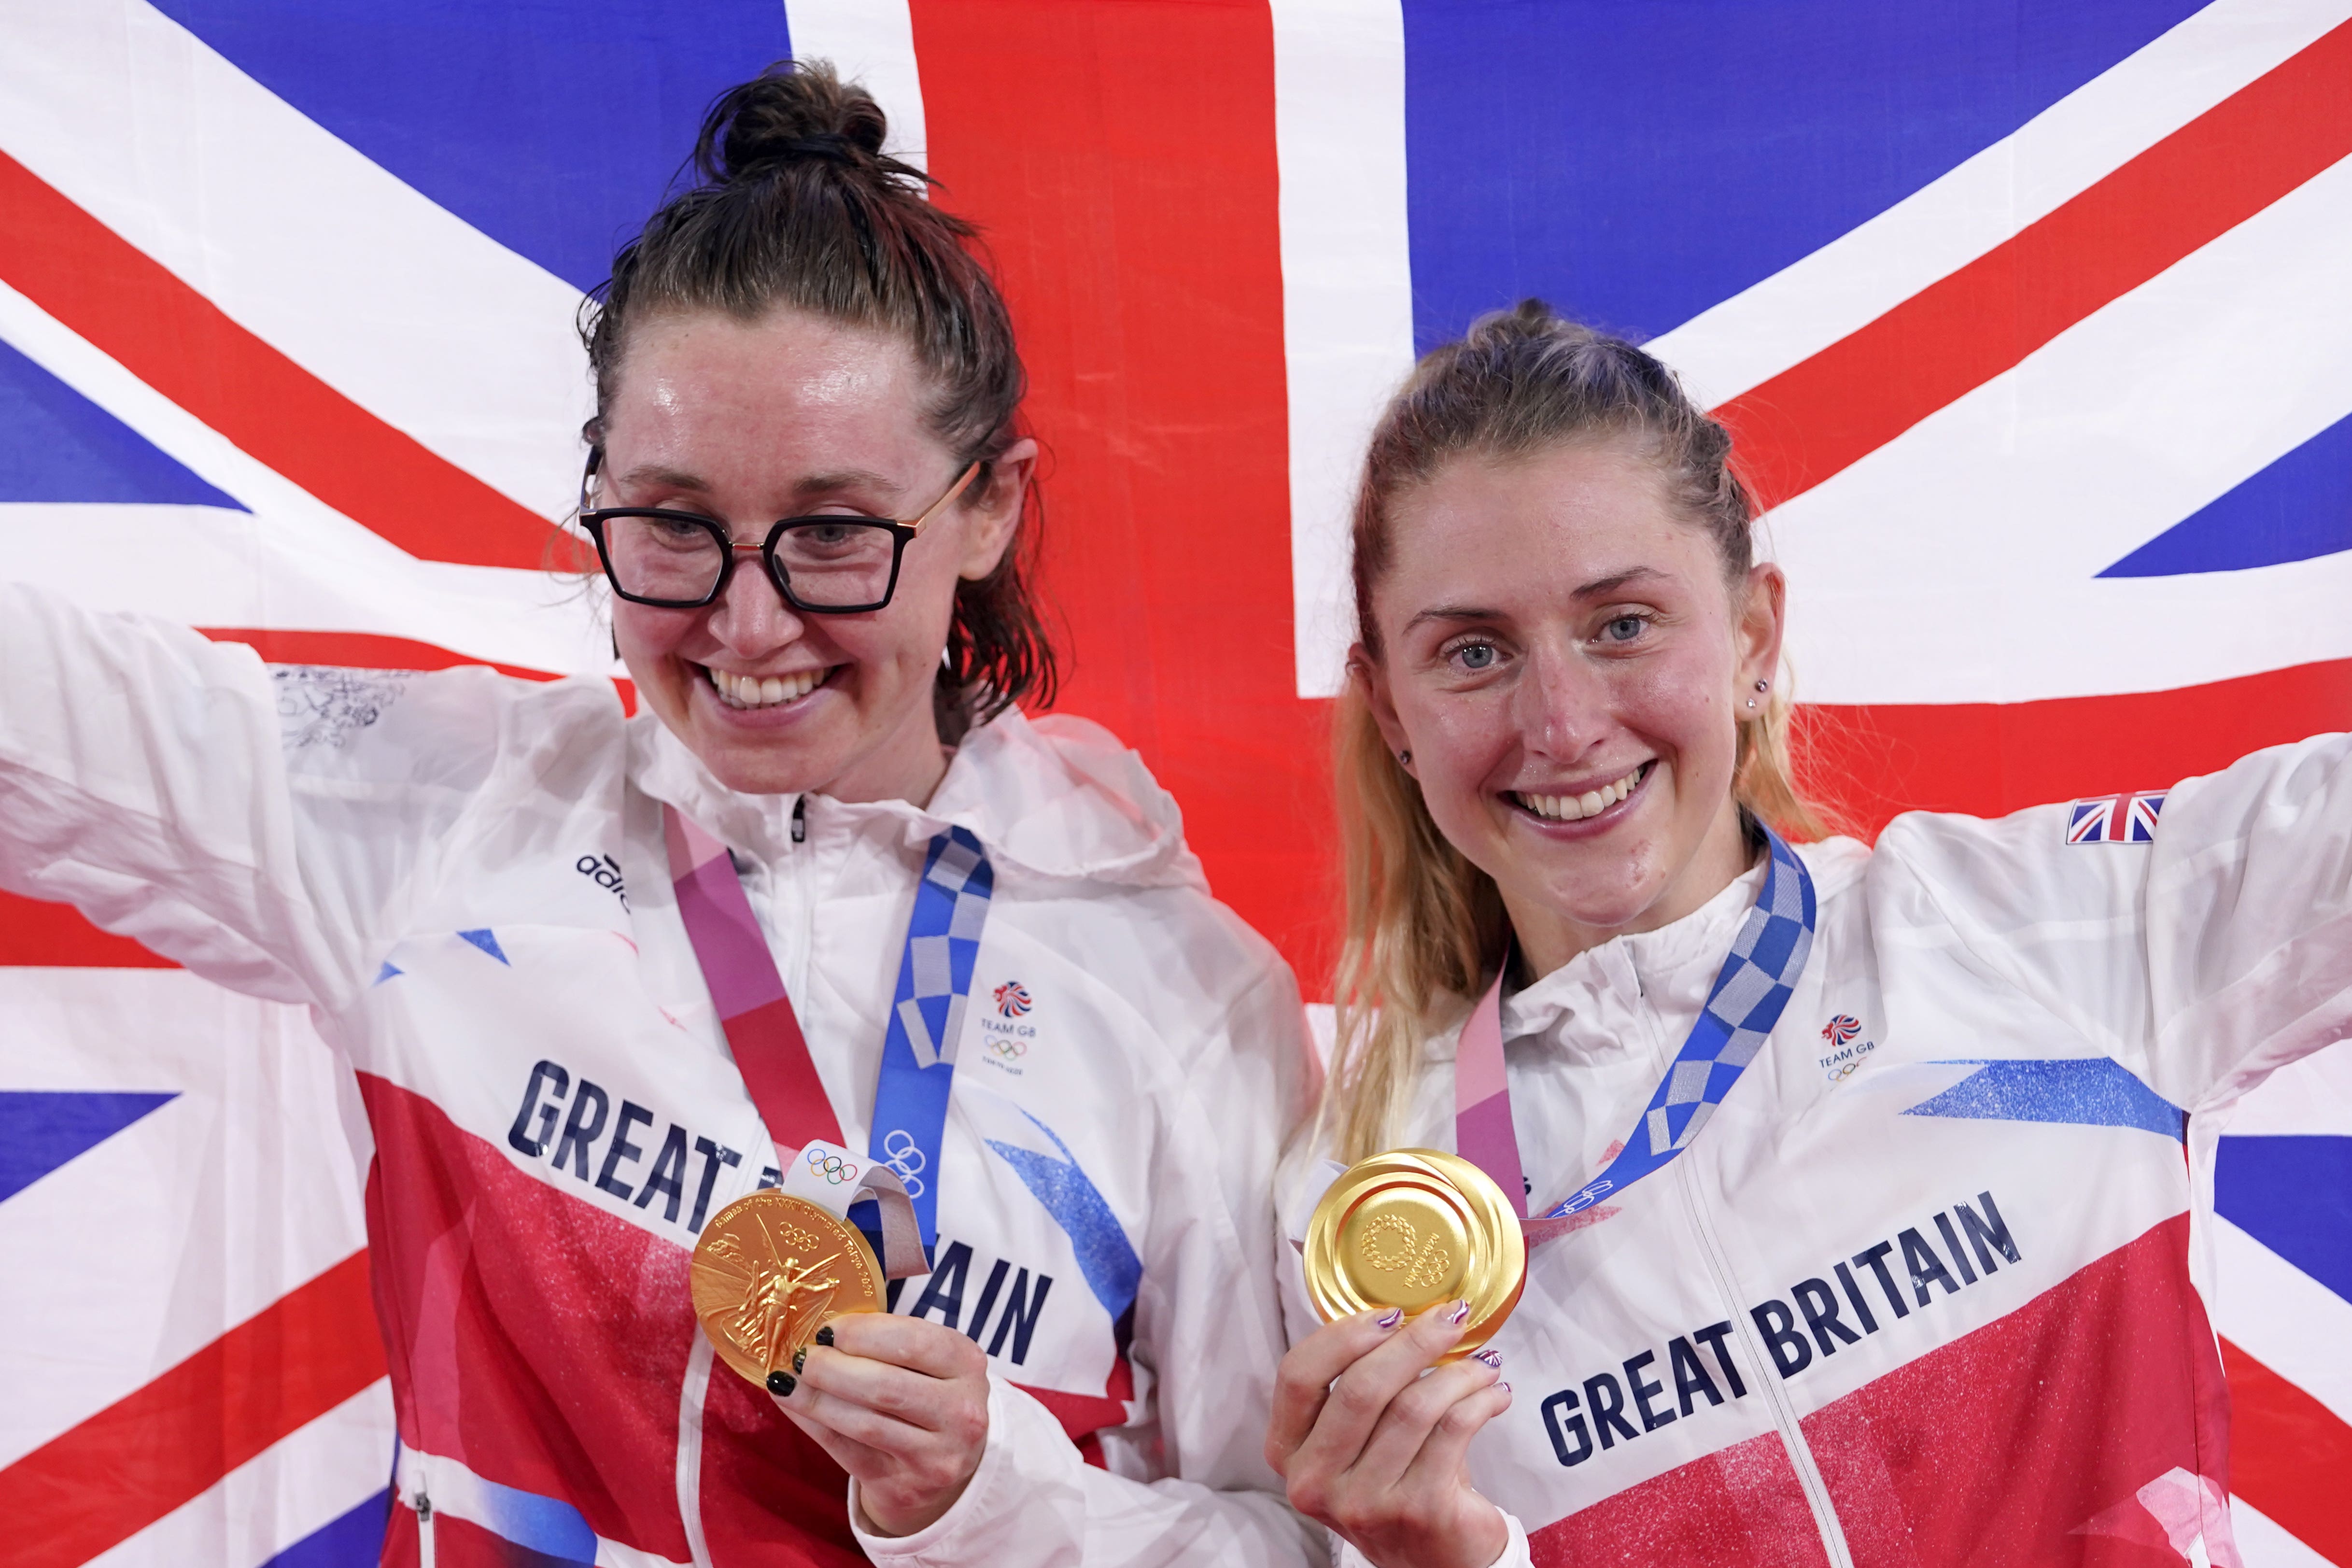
{"x": 149, "y": 777}
{"x": 2205, "y": 940}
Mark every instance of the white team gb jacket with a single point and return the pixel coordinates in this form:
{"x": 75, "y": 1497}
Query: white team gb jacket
{"x": 1928, "y": 1287}
{"x": 464, "y": 877}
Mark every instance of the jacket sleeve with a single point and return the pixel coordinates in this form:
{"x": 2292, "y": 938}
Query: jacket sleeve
{"x": 180, "y": 792}
{"x": 2201, "y": 957}
{"x": 1189, "y": 1484}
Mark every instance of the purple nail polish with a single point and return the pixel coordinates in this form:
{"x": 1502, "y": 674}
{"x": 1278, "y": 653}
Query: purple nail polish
{"x": 1491, "y": 1357}
{"x": 1503, "y": 1386}
{"x": 1460, "y": 1315}
{"x": 1389, "y": 1319}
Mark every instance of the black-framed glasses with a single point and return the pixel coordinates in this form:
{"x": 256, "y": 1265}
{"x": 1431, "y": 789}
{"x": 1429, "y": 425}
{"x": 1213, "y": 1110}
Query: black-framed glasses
{"x": 830, "y": 564}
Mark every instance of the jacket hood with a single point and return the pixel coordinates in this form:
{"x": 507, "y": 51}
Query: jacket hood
{"x": 1055, "y": 798}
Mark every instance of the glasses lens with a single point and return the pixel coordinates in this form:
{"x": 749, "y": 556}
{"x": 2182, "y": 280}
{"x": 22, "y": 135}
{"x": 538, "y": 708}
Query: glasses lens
{"x": 663, "y": 557}
{"x": 834, "y": 561}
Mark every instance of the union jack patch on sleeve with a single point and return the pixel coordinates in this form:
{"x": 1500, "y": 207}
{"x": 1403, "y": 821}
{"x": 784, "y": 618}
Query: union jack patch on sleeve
{"x": 2126, "y": 818}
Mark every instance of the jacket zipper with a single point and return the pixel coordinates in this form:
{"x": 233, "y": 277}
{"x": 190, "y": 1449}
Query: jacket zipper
{"x": 1784, "y": 1414}
{"x": 424, "y": 1529}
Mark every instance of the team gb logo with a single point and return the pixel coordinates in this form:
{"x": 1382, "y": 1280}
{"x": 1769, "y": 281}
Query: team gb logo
{"x": 1007, "y": 1035}
{"x": 1843, "y": 1035}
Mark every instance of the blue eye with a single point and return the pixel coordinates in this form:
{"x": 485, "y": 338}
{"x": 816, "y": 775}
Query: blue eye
{"x": 1476, "y": 656}
{"x": 1625, "y": 628}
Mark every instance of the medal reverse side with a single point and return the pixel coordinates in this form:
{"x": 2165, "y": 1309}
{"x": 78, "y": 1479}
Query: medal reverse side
{"x": 1415, "y": 1228}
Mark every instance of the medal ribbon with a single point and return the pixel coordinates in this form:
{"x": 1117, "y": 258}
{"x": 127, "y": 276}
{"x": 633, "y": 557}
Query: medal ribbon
{"x": 919, "y": 1047}
{"x": 1750, "y": 991}
{"x": 918, "y": 1050}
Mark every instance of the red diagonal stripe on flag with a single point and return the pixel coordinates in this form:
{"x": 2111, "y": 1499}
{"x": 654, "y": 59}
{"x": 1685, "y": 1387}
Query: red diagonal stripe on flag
{"x": 1988, "y": 759}
{"x": 34, "y": 935}
{"x": 127, "y": 1466}
{"x": 182, "y": 345}
{"x": 1820, "y": 416}
{"x": 2289, "y": 1455}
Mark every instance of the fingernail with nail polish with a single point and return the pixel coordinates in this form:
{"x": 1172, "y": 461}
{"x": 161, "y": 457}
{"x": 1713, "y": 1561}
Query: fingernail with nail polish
{"x": 1503, "y": 1386}
{"x": 1389, "y": 1319}
{"x": 1460, "y": 1315}
{"x": 1491, "y": 1357}
{"x": 800, "y": 1358}
{"x": 825, "y": 1335}
{"x": 781, "y": 1384}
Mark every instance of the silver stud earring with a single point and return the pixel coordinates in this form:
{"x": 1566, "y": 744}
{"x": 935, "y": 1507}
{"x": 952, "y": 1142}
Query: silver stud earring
{"x": 1751, "y": 702}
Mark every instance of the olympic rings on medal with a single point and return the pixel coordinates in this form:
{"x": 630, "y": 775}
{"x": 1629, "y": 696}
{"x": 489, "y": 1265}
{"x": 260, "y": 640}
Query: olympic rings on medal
{"x": 831, "y": 1167}
{"x": 904, "y": 1155}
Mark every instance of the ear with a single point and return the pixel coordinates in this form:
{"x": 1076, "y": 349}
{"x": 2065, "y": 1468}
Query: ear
{"x": 1366, "y": 672}
{"x": 990, "y": 520}
{"x": 1763, "y": 617}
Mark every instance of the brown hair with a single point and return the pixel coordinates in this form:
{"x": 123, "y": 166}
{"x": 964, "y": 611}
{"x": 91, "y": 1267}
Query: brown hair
{"x": 1424, "y": 926}
{"x": 794, "y": 205}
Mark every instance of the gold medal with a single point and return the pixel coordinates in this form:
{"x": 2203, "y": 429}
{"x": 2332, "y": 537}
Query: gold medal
{"x": 769, "y": 1272}
{"x": 1412, "y": 1228}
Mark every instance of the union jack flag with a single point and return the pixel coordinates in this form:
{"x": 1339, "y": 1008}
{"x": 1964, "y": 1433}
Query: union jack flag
{"x": 2030, "y": 319}
{"x": 2126, "y": 818}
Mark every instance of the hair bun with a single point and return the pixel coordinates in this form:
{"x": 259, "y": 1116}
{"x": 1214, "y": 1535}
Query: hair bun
{"x": 791, "y": 113}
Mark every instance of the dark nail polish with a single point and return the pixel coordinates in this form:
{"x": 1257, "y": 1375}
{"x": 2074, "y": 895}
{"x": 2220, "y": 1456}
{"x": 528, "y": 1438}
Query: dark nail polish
{"x": 782, "y": 1384}
{"x": 1490, "y": 1357}
{"x": 1503, "y": 1386}
{"x": 800, "y": 1360}
{"x": 825, "y": 1335}
{"x": 1389, "y": 1319}
{"x": 1459, "y": 1315}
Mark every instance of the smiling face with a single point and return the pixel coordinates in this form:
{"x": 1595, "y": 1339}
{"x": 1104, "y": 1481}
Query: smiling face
{"x": 793, "y": 415}
{"x": 1568, "y": 666}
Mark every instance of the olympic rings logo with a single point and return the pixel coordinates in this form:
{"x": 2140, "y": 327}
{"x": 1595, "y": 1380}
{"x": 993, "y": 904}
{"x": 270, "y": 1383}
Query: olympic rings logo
{"x": 904, "y": 1155}
{"x": 1586, "y": 1198}
{"x": 831, "y": 1167}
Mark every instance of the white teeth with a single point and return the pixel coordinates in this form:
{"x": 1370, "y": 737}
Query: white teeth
{"x": 1570, "y": 807}
{"x": 763, "y": 691}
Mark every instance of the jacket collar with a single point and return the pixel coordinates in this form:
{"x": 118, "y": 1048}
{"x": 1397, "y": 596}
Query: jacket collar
{"x": 1053, "y": 799}
{"x": 1671, "y": 969}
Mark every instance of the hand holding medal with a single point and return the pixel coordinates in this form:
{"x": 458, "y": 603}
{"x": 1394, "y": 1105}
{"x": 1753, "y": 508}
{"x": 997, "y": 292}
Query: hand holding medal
{"x": 789, "y": 1292}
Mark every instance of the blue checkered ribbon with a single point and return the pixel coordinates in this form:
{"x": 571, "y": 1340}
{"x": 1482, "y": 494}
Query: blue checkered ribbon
{"x": 1750, "y": 992}
{"x": 919, "y": 1049}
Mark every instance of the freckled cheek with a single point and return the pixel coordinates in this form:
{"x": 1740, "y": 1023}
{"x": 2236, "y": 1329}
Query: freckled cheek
{"x": 1682, "y": 708}
{"x": 649, "y": 633}
{"x": 1458, "y": 743}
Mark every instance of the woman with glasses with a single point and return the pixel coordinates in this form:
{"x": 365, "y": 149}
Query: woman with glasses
{"x": 829, "y": 906}
{"x": 1863, "y": 1187}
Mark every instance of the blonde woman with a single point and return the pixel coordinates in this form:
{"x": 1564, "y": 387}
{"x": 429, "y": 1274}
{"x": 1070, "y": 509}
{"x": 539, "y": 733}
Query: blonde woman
{"x": 1865, "y": 1181}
